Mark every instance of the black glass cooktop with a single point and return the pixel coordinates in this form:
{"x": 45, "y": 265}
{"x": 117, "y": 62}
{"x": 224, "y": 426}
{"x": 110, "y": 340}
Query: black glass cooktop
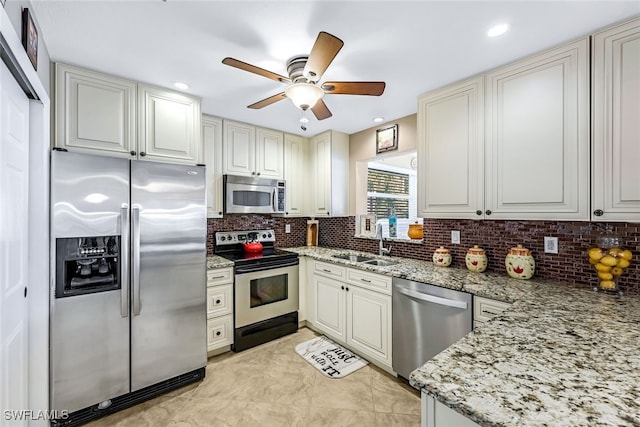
{"x": 267, "y": 253}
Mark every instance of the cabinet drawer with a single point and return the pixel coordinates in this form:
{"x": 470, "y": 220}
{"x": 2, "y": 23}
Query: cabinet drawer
{"x": 330, "y": 270}
{"x": 367, "y": 280}
{"x": 219, "y": 332}
{"x": 484, "y": 309}
{"x": 219, "y": 276}
{"x": 219, "y": 300}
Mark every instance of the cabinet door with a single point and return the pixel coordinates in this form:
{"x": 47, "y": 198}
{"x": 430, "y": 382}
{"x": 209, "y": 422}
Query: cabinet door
{"x": 269, "y": 153}
{"x": 212, "y": 141}
{"x": 616, "y": 123}
{"x": 169, "y": 129}
{"x": 451, "y": 151}
{"x": 94, "y": 113}
{"x": 321, "y": 146}
{"x": 537, "y": 136}
{"x": 369, "y": 323}
{"x": 329, "y": 310}
{"x": 238, "y": 149}
{"x": 295, "y": 171}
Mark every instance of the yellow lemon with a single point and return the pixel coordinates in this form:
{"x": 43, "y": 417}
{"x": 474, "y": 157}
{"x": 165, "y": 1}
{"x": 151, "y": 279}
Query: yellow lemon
{"x": 626, "y": 254}
{"x": 602, "y": 267}
{"x": 607, "y": 284}
{"x": 593, "y": 261}
{"x": 608, "y": 260}
{"x": 622, "y": 263}
{"x": 614, "y": 251}
{"x": 595, "y": 253}
{"x": 616, "y": 271}
{"x": 605, "y": 276}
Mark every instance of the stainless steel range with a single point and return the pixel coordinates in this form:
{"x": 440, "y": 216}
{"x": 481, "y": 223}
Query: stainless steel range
{"x": 265, "y": 289}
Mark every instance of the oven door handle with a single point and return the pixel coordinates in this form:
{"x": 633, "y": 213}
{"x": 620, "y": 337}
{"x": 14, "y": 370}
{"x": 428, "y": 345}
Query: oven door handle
{"x": 262, "y": 267}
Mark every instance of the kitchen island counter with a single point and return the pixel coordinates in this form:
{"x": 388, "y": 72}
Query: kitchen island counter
{"x": 561, "y": 354}
{"x": 215, "y": 262}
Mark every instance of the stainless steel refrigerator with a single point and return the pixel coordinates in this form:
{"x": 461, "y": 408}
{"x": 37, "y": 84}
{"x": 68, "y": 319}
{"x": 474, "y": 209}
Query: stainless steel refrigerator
{"x": 128, "y": 292}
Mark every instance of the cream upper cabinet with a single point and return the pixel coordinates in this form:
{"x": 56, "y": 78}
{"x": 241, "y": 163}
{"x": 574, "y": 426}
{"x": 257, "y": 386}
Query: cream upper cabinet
{"x": 296, "y": 174}
{"x": 94, "y": 113}
{"x": 518, "y": 151}
{"x": 169, "y": 126}
{"x": 616, "y": 123}
{"x": 330, "y": 165}
{"x": 451, "y": 151}
{"x": 212, "y": 140}
{"x": 251, "y": 151}
{"x": 537, "y": 136}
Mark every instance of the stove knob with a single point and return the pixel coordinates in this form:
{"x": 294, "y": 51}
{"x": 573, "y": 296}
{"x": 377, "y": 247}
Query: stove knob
{"x": 264, "y": 236}
{"x": 269, "y": 235}
{"x": 222, "y": 238}
{"x": 229, "y": 237}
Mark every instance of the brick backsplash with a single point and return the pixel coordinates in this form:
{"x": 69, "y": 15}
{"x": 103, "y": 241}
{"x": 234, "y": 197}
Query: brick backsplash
{"x": 496, "y": 237}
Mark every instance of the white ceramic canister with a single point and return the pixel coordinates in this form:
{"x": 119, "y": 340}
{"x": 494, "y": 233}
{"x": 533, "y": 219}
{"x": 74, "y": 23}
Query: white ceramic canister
{"x": 519, "y": 263}
{"x": 442, "y": 257}
{"x": 476, "y": 259}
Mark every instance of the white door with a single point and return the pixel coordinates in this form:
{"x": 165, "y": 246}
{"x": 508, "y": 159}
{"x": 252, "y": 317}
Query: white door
{"x": 14, "y": 184}
{"x": 239, "y": 148}
{"x": 269, "y": 153}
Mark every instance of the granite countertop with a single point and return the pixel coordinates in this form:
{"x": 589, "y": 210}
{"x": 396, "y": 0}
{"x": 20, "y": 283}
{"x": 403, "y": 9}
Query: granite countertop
{"x": 215, "y": 261}
{"x": 560, "y": 355}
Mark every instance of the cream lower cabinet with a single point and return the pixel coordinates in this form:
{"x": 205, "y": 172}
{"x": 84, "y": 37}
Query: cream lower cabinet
{"x": 353, "y": 307}
{"x": 212, "y": 141}
{"x": 484, "y": 309}
{"x": 219, "y": 310}
{"x": 435, "y": 414}
{"x": 616, "y": 123}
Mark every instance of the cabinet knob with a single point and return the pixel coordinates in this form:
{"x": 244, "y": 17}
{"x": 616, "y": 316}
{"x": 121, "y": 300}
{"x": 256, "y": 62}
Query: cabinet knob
{"x": 286, "y": 213}
{"x": 598, "y": 212}
{"x": 347, "y": 289}
{"x": 220, "y": 213}
{"x": 218, "y": 333}
{"x": 342, "y": 287}
{"x": 487, "y": 212}
{"x": 142, "y": 153}
{"x": 328, "y": 212}
{"x": 478, "y": 212}
{"x": 253, "y": 173}
{"x": 258, "y": 173}
{"x": 133, "y": 153}
{"x": 217, "y": 301}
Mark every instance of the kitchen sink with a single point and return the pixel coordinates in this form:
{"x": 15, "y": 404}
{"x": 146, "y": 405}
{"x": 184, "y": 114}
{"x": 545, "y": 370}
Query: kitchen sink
{"x": 380, "y": 262}
{"x": 354, "y": 258}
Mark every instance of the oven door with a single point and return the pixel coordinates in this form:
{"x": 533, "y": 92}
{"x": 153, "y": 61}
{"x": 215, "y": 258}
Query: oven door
{"x": 262, "y": 295}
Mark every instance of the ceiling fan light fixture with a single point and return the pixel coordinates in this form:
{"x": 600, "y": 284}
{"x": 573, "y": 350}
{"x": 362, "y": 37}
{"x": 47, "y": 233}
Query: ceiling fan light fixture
{"x": 304, "y": 95}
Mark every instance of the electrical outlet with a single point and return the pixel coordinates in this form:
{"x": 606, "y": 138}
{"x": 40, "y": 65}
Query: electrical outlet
{"x": 550, "y": 245}
{"x": 455, "y": 237}
{"x": 287, "y": 228}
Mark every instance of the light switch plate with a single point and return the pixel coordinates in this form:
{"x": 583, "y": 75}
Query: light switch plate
{"x": 455, "y": 237}
{"x": 550, "y": 245}
{"x": 287, "y": 228}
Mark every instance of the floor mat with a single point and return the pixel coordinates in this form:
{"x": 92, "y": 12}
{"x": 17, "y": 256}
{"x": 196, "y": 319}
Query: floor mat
{"x": 331, "y": 359}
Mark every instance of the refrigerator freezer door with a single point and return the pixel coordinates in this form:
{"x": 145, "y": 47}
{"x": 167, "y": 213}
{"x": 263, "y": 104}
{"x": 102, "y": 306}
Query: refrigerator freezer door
{"x": 168, "y": 323}
{"x": 89, "y": 341}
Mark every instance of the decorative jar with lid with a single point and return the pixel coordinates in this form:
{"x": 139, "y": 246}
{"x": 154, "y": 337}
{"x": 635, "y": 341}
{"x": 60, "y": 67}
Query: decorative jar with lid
{"x": 519, "y": 263}
{"x": 610, "y": 259}
{"x": 415, "y": 231}
{"x": 442, "y": 257}
{"x": 476, "y": 259}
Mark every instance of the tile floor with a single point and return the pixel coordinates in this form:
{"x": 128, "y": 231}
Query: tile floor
{"x": 271, "y": 385}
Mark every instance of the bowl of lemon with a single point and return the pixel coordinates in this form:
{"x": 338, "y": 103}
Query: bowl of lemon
{"x": 610, "y": 259}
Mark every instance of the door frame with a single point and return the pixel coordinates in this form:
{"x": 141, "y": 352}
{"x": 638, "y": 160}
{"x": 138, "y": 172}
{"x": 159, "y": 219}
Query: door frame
{"x": 39, "y": 248}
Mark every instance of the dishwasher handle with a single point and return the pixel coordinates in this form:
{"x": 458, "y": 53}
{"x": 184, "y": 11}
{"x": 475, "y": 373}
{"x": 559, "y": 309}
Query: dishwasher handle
{"x": 421, "y": 296}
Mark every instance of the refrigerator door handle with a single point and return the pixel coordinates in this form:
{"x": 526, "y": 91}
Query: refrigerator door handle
{"x": 135, "y": 249}
{"x": 124, "y": 260}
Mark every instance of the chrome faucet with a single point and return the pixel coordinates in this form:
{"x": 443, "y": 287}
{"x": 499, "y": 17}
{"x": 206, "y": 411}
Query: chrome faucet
{"x": 383, "y": 250}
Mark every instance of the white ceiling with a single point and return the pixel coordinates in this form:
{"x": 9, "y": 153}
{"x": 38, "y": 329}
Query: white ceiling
{"x": 415, "y": 46}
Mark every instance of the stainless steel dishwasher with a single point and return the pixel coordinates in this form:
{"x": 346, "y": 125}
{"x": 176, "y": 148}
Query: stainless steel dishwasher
{"x": 426, "y": 320}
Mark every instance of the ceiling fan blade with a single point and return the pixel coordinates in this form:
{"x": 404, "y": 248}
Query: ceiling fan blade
{"x": 324, "y": 50}
{"x": 354, "y": 88}
{"x": 320, "y": 110}
{"x": 256, "y": 70}
{"x": 268, "y": 101}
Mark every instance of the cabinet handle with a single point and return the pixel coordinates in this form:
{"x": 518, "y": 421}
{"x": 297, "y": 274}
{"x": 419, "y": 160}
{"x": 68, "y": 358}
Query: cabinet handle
{"x": 478, "y": 212}
{"x": 327, "y": 212}
{"x": 133, "y": 153}
{"x": 347, "y": 289}
{"x": 142, "y": 154}
{"x": 218, "y": 333}
{"x": 286, "y": 213}
{"x": 258, "y": 173}
{"x": 218, "y": 277}
{"x": 366, "y": 281}
{"x": 342, "y": 287}
{"x": 217, "y": 301}
{"x": 253, "y": 173}
{"x": 220, "y": 213}
{"x": 326, "y": 271}
{"x": 488, "y": 212}
{"x": 598, "y": 212}
{"x": 490, "y": 312}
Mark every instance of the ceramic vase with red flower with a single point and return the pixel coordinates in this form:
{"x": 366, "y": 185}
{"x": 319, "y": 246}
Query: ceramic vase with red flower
{"x": 519, "y": 263}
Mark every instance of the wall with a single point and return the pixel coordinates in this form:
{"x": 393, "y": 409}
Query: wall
{"x": 496, "y": 237}
{"x": 362, "y": 147}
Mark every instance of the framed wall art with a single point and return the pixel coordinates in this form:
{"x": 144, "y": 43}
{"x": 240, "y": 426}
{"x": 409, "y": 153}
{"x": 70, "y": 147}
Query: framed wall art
{"x": 387, "y": 139}
{"x": 30, "y": 37}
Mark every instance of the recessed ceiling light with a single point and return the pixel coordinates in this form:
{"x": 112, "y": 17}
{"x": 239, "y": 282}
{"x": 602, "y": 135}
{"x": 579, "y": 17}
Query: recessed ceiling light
{"x": 497, "y": 30}
{"x": 181, "y": 85}
{"x": 378, "y": 120}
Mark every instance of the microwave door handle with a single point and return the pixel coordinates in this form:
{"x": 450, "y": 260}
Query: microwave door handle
{"x": 274, "y": 205}
{"x": 124, "y": 260}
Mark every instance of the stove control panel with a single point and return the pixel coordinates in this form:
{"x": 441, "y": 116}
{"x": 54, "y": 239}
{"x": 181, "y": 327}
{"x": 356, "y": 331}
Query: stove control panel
{"x": 235, "y": 237}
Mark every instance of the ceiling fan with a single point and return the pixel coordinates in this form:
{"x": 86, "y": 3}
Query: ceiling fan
{"x": 305, "y": 72}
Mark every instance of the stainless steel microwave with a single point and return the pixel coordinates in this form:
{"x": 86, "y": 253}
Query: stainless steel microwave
{"x": 253, "y": 195}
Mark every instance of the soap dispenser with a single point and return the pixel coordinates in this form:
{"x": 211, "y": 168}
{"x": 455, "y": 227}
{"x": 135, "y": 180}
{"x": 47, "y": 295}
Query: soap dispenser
{"x": 393, "y": 224}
